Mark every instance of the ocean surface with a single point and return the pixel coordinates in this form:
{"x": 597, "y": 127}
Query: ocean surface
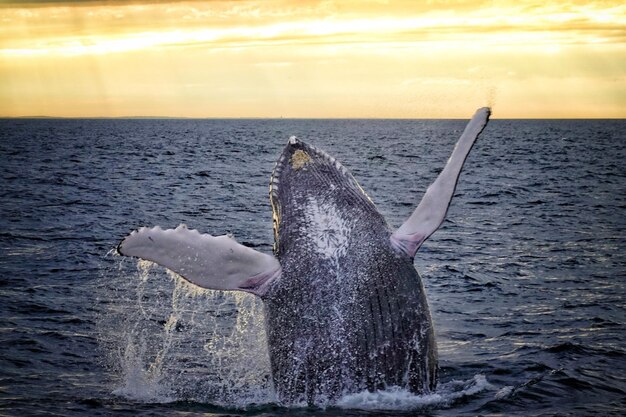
{"x": 526, "y": 278}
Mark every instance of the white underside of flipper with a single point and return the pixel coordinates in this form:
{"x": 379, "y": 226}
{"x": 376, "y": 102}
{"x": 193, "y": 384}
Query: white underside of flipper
{"x": 213, "y": 262}
{"x": 432, "y": 210}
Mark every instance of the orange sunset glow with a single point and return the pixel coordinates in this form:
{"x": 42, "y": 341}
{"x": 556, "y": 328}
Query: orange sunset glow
{"x": 278, "y": 58}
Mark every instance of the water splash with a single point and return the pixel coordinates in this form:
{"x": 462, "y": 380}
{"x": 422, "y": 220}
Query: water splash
{"x": 400, "y": 399}
{"x": 142, "y": 377}
{"x": 177, "y": 342}
{"x": 140, "y": 383}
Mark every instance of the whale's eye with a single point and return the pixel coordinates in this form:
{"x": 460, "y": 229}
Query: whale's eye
{"x": 299, "y": 159}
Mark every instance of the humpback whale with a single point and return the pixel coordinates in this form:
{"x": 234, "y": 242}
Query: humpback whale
{"x": 345, "y": 308}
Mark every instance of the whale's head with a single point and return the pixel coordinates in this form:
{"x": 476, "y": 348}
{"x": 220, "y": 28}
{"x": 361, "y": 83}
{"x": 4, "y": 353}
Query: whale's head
{"x": 310, "y": 189}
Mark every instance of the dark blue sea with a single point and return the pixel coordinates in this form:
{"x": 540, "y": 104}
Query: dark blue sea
{"x": 526, "y": 279}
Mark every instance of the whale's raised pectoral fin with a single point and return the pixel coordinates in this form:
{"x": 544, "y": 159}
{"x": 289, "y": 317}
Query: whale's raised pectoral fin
{"x": 432, "y": 210}
{"x": 213, "y": 262}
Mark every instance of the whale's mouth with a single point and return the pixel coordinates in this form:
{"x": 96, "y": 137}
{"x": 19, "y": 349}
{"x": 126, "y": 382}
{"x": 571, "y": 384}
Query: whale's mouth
{"x": 301, "y": 166}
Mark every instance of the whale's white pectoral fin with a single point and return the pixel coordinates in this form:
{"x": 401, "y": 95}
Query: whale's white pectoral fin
{"x": 432, "y": 210}
{"x": 213, "y": 262}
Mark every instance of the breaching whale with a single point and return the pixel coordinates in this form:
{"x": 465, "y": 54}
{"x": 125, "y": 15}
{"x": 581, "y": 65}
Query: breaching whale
{"x": 345, "y": 308}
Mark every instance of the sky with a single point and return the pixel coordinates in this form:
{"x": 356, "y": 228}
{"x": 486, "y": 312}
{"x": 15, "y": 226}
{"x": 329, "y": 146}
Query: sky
{"x": 313, "y": 59}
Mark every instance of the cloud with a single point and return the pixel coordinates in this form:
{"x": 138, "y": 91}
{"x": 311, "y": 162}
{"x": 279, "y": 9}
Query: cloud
{"x": 110, "y": 29}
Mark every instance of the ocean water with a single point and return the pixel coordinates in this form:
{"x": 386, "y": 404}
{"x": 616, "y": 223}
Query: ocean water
{"x": 526, "y": 278}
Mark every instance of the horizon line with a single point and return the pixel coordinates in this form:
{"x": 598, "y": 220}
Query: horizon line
{"x": 34, "y": 117}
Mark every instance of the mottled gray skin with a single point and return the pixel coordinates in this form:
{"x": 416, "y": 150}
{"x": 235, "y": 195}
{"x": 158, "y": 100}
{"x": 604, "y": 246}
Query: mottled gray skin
{"x": 349, "y": 312}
